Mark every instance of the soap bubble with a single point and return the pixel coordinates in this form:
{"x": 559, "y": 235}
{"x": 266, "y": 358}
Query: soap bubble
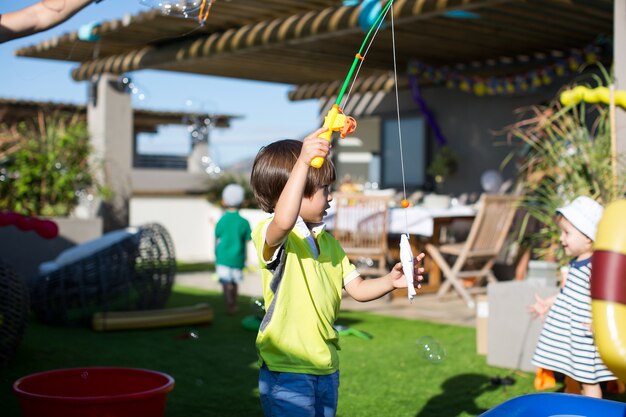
{"x": 189, "y": 335}
{"x": 257, "y": 305}
{"x": 430, "y": 350}
{"x": 180, "y": 8}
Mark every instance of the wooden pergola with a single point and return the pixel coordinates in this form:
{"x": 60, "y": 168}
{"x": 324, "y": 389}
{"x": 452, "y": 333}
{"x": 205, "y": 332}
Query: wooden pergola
{"x": 311, "y": 43}
{"x": 144, "y": 121}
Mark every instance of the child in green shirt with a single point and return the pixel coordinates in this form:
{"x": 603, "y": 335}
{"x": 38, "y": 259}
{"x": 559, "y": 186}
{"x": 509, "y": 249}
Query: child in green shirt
{"x": 231, "y": 234}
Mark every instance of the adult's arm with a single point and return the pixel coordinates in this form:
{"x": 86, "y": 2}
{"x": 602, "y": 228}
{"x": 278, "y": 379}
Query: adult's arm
{"x": 38, "y": 17}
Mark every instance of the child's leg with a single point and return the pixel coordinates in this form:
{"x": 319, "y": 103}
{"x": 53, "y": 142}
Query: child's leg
{"x": 592, "y": 390}
{"x": 226, "y": 291}
{"x": 233, "y": 298}
{"x": 572, "y": 386}
{"x": 298, "y": 395}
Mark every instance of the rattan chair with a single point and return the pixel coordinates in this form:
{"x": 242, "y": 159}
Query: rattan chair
{"x": 13, "y": 311}
{"x": 132, "y": 269}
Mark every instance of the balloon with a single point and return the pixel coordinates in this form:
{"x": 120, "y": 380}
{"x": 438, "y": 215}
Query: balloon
{"x": 491, "y": 181}
{"x": 592, "y": 95}
{"x": 25, "y": 223}
{"x": 47, "y": 229}
{"x": 10, "y": 218}
{"x": 370, "y": 9}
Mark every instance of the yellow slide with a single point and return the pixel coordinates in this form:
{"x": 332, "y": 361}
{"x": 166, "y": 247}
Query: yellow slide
{"x": 147, "y": 319}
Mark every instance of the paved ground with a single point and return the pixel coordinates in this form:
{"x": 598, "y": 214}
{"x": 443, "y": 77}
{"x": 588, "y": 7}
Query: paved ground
{"x": 450, "y": 310}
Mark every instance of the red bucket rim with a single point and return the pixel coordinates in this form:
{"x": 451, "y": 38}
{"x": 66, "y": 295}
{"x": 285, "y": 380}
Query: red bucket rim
{"x": 165, "y": 388}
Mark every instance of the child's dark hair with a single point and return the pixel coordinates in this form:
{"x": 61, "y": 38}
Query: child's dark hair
{"x": 272, "y": 167}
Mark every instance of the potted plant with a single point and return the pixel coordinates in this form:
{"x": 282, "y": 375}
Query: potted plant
{"x": 444, "y": 164}
{"x": 563, "y": 152}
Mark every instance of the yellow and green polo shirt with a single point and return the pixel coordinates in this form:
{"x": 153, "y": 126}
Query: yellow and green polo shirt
{"x": 302, "y": 292}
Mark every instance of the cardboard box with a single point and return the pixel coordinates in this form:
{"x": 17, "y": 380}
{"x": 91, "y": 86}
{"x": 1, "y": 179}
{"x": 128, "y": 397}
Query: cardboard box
{"x": 513, "y": 332}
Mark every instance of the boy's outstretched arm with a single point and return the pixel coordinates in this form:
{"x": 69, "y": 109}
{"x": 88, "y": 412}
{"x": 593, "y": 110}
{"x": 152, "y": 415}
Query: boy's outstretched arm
{"x": 288, "y": 205}
{"x": 370, "y": 289}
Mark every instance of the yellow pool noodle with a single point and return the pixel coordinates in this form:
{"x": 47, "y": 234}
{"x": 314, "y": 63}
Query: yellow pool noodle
{"x": 167, "y": 317}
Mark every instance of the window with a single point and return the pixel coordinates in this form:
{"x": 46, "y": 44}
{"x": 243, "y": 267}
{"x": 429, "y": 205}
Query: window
{"x": 413, "y": 151}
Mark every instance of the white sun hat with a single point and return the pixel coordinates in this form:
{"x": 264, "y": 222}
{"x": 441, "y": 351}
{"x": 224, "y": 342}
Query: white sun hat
{"x": 584, "y": 214}
{"x": 232, "y": 195}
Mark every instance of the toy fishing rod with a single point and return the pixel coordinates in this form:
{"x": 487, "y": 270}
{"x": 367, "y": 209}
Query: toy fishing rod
{"x": 335, "y": 120}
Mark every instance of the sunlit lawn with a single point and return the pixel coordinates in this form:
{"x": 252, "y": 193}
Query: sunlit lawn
{"x": 216, "y": 373}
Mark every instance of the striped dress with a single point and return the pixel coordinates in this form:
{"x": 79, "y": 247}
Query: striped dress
{"x": 566, "y": 342}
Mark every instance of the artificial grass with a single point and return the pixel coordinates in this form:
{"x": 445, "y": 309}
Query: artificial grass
{"x": 216, "y": 373}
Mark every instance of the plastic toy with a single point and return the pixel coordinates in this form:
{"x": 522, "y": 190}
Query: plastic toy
{"x": 351, "y": 331}
{"x": 406, "y": 257}
{"x": 608, "y": 288}
{"x": 335, "y": 120}
{"x": 80, "y": 392}
{"x": 127, "y": 320}
{"x": 44, "y": 228}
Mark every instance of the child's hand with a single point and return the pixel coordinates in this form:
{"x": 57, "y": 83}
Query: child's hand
{"x": 314, "y": 146}
{"x": 540, "y": 308}
{"x": 397, "y": 274}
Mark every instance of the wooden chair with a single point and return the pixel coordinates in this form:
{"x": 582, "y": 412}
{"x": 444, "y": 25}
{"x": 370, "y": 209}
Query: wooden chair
{"x": 361, "y": 228}
{"x": 484, "y": 242}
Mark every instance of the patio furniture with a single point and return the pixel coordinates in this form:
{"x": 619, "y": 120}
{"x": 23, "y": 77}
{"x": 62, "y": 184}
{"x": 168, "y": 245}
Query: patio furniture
{"x": 360, "y": 226}
{"x": 124, "y": 270}
{"x": 479, "y": 251}
{"x": 13, "y": 311}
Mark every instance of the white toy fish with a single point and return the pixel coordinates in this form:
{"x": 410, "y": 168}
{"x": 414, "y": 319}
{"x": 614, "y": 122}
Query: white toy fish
{"x": 406, "y": 257}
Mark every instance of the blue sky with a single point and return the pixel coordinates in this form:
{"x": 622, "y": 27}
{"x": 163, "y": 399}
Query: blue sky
{"x": 267, "y": 113}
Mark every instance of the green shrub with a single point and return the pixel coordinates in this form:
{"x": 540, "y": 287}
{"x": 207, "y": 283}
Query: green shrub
{"x": 46, "y": 166}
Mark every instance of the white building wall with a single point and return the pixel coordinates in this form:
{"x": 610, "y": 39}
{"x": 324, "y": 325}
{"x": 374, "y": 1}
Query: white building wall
{"x": 190, "y": 222}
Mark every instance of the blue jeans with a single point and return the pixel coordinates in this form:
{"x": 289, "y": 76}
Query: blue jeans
{"x": 298, "y": 395}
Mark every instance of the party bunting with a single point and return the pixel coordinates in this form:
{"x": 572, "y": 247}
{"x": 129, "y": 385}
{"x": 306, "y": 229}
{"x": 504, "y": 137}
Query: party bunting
{"x": 512, "y": 83}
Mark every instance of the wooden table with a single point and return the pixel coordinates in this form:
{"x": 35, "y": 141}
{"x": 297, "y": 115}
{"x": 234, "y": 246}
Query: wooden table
{"x": 424, "y": 225}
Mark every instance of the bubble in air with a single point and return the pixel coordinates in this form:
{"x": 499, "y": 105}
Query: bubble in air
{"x": 430, "y": 350}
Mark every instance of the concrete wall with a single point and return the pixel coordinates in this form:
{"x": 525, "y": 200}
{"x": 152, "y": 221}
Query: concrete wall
{"x": 150, "y": 180}
{"x": 191, "y": 223}
{"x": 110, "y": 120}
{"x": 467, "y": 121}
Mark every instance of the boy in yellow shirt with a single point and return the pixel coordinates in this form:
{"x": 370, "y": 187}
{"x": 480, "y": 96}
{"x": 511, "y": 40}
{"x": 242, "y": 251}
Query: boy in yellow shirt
{"x": 304, "y": 270}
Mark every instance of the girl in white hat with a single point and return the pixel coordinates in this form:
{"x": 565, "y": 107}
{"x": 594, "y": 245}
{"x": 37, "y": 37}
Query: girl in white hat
{"x": 566, "y": 342}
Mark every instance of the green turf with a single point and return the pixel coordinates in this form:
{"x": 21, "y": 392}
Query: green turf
{"x": 216, "y": 373}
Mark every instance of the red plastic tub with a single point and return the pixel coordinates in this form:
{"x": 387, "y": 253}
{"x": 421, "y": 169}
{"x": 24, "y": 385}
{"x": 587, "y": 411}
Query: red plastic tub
{"x": 94, "y": 392}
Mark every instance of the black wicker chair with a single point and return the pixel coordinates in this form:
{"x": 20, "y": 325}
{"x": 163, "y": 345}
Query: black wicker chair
{"x": 132, "y": 269}
{"x": 13, "y": 311}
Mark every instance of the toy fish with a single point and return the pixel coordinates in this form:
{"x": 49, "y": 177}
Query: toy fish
{"x": 406, "y": 257}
